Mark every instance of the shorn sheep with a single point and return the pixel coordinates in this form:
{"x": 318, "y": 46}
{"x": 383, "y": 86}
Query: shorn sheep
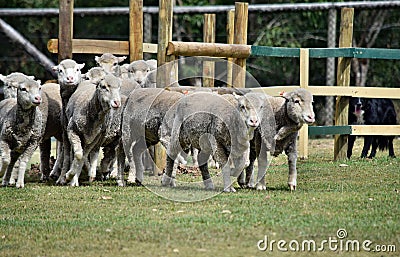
{"x": 216, "y": 125}
{"x": 11, "y": 83}
{"x": 110, "y": 62}
{"x": 289, "y": 113}
{"x": 20, "y": 130}
{"x": 142, "y": 117}
{"x": 69, "y": 77}
{"x": 88, "y": 113}
{"x": 138, "y": 71}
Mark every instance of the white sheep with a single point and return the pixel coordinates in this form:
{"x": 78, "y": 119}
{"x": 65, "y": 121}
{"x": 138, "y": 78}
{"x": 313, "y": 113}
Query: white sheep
{"x": 88, "y": 113}
{"x": 138, "y": 71}
{"x": 20, "y": 130}
{"x": 215, "y": 125}
{"x": 110, "y": 63}
{"x": 289, "y": 113}
{"x": 11, "y": 83}
{"x": 152, "y": 63}
{"x": 69, "y": 77}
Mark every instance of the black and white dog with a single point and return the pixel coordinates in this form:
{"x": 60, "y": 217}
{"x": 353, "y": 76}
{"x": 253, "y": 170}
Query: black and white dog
{"x": 371, "y": 111}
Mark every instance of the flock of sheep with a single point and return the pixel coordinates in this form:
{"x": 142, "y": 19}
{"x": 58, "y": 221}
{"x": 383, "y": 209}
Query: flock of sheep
{"x": 118, "y": 108}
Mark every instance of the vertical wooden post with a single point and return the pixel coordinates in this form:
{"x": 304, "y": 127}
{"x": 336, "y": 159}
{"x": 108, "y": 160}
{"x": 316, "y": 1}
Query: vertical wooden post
{"x": 240, "y": 37}
{"x": 135, "y": 30}
{"x": 163, "y": 75}
{"x": 209, "y": 37}
{"x": 230, "y": 31}
{"x": 147, "y": 29}
{"x": 343, "y": 80}
{"x": 304, "y": 80}
{"x": 65, "y": 29}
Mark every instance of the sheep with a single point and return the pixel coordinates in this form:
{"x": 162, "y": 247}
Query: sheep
{"x": 144, "y": 111}
{"x": 152, "y": 63}
{"x": 69, "y": 77}
{"x": 51, "y": 111}
{"x": 124, "y": 71}
{"x": 109, "y": 62}
{"x": 88, "y": 113}
{"x": 212, "y": 123}
{"x": 277, "y": 133}
{"x": 20, "y": 130}
{"x": 95, "y": 74}
{"x": 150, "y": 80}
{"x": 138, "y": 71}
{"x": 11, "y": 83}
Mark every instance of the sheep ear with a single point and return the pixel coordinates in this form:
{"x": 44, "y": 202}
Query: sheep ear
{"x": 81, "y": 65}
{"x": 39, "y": 81}
{"x": 55, "y": 68}
{"x": 97, "y": 59}
{"x": 3, "y": 78}
{"x": 121, "y": 59}
{"x": 286, "y": 95}
{"x": 31, "y": 77}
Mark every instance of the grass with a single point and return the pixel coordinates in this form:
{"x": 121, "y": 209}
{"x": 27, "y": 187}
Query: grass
{"x": 106, "y": 220}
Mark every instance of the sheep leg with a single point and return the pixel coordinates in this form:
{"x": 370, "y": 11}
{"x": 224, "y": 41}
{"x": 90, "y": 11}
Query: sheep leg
{"x": 136, "y": 168}
{"x": 291, "y": 152}
{"x": 108, "y": 160}
{"x": 23, "y": 161}
{"x": 5, "y": 161}
{"x": 121, "y": 165}
{"x": 14, "y": 174}
{"x": 55, "y": 173}
{"x": 390, "y": 146}
{"x": 94, "y": 156}
{"x": 194, "y": 152}
{"x": 45, "y": 148}
{"x": 66, "y": 160}
{"x": 203, "y": 161}
{"x": 78, "y": 160}
{"x": 222, "y": 158}
{"x": 263, "y": 162}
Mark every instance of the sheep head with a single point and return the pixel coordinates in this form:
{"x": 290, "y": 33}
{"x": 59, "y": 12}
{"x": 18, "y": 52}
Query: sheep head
{"x": 29, "y": 93}
{"x": 109, "y": 62}
{"x": 69, "y": 72}
{"x": 11, "y": 83}
{"x": 109, "y": 91}
{"x": 299, "y": 104}
{"x": 251, "y": 105}
{"x": 138, "y": 71}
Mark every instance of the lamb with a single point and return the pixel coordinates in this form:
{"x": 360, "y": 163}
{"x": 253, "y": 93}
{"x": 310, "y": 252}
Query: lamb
{"x": 20, "y": 130}
{"x": 290, "y": 112}
{"x": 211, "y": 123}
{"x": 152, "y": 63}
{"x": 138, "y": 71}
{"x": 110, "y": 62}
{"x": 51, "y": 111}
{"x": 144, "y": 111}
{"x": 11, "y": 83}
{"x": 69, "y": 77}
{"x": 150, "y": 80}
{"x": 88, "y": 113}
{"x": 95, "y": 74}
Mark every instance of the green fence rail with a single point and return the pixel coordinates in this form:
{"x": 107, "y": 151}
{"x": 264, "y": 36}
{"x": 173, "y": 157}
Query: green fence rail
{"x": 351, "y": 52}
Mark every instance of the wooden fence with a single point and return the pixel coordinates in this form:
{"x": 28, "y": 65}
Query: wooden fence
{"x": 237, "y": 51}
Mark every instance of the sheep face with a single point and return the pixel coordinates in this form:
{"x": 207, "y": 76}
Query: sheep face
{"x": 95, "y": 74}
{"x": 11, "y": 83}
{"x": 109, "y": 62}
{"x": 300, "y": 106}
{"x": 69, "y": 72}
{"x": 138, "y": 71}
{"x": 251, "y": 106}
{"x": 109, "y": 89}
{"x": 29, "y": 94}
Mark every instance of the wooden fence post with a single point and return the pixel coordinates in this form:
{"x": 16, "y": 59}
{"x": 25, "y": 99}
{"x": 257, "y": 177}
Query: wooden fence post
{"x": 241, "y": 22}
{"x": 209, "y": 37}
{"x": 343, "y": 80}
{"x": 163, "y": 74}
{"x": 230, "y": 31}
{"x": 304, "y": 80}
{"x": 65, "y": 29}
{"x": 135, "y": 30}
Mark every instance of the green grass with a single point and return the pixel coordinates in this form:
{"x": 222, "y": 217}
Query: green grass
{"x": 106, "y": 220}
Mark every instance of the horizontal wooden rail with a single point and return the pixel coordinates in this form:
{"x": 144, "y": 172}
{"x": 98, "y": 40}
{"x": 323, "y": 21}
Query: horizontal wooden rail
{"x": 208, "y": 49}
{"x": 352, "y": 52}
{"x": 367, "y": 92}
{"x": 355, "y": 130}
{"x": 93, "y": 46}
{"x": 329, "y": 130}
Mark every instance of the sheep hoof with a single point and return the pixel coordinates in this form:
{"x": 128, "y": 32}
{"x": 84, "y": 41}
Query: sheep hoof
{"x": 261, "y": 187}
{"x": 208, "y": 184}
{"x": 292, "y": 188}
{"x": 167, "y": 181}
{"x": 92, "y": 179}
{"x": 19, "y": 185}
{"x": 229, "y": 189}
{"x": 138, "y": 182}
{"x": 120, "y": 183}
{"x": 242, "y": 185}
{"x": 61, "y": 181}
